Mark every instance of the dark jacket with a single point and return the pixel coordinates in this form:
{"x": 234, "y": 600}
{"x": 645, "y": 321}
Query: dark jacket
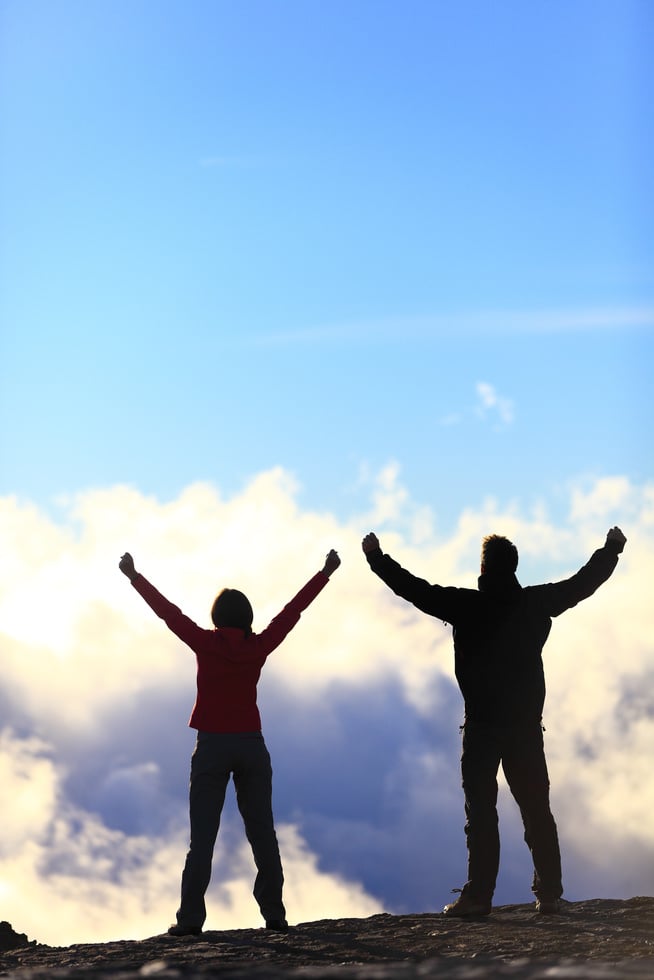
{"x": 499, "y": 631}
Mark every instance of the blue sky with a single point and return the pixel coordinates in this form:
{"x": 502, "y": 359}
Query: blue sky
{"x": 245, "y": 234}
{"x": 273, "y": 274}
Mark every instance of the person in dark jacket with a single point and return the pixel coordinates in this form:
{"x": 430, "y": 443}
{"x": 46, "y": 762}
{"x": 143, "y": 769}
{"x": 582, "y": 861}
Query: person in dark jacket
{"x": 230, "y": 742}
{"x": 499, "y": 631}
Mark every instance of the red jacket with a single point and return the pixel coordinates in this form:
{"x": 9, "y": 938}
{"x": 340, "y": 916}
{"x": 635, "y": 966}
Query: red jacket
{"x": 229, "y": 660}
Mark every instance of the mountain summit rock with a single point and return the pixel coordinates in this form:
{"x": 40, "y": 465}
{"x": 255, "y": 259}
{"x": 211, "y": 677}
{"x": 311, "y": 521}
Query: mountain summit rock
{"x": 599, "y": 939}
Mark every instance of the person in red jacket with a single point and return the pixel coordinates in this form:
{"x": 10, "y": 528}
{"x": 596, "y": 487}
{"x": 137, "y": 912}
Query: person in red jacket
{"x": 499, "y": 630}
{"x": 229, "y": 741}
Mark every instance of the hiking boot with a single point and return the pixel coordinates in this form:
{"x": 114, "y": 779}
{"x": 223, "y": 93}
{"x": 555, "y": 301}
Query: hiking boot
{"x": 466, "y": 905}
{"x": 177, "y": 930}
{"x": 279, "y": 925}
{"x": 548, "y": 906}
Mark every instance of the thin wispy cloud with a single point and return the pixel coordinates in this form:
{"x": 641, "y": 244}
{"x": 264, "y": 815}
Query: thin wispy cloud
{"x": 460, "y": 324}
{"x": 491, "y": 404}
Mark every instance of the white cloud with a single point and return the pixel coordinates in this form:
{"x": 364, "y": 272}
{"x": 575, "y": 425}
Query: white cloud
{"x": 612, "y": 495}
{"x": 359, "y": 704}
{"x": 28, "y": 786}
{"x": 489, "y": 406}
{"x": 492, "y": 403}
{"x": 99, "y": 884}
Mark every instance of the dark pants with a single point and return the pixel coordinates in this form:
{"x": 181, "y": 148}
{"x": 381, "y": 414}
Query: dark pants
{"x": 215, "y": 758}
{"x": 521, "y": 752}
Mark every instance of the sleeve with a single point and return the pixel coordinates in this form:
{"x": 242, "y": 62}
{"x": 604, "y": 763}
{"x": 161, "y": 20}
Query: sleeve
{"x": 435, "y": 600}
{"x": 283, "y": 623}
{"x": 179, "y": 624}
{"x": 559, "y": 596}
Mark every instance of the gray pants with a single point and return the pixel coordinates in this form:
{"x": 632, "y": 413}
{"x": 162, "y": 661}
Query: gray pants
{"x": 215, "y": 758}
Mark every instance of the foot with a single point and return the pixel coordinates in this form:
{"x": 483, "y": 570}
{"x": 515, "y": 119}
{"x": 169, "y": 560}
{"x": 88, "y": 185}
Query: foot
{"x": 466, "y": 905}
{"x": 177, "y": 930}
{"x": 279, "y": 925}
{"x": 548, "y": 906}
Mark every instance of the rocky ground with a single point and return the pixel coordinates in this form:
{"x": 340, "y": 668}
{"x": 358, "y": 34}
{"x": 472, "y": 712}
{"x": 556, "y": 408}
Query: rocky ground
{"x": 593, "y": 940}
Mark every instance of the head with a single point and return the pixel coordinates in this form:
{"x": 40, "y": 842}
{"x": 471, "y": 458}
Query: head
{"x": 499, "y": 556}
{"x": 232, "y": 608}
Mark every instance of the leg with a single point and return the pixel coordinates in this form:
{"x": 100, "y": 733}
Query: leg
{"x": 526, "y": 773}
{"x": 209, "y": 778}
{"x": 479, "y": 764}
{"x": 253, "y": 782}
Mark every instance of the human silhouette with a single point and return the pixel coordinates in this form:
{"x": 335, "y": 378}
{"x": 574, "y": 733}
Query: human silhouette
{"x": 229, "y": 740}
{"x": 499, "y": 631}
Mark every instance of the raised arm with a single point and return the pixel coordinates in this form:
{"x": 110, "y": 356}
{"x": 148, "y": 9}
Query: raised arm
{"x": 435, "y": 600}
{"x": 284, "y": 622}
{"x": 179, "y": 624}
{"x": 560, "y": 596}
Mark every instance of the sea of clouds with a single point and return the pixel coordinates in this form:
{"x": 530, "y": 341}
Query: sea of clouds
{"x": 360, "y": 708}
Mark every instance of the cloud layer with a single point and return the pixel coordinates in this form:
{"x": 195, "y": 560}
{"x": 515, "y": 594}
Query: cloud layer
{"x": 359, "y": 705}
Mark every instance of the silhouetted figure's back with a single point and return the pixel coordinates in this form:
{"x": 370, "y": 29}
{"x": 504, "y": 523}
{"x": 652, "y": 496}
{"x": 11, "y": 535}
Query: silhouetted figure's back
{"x": 499, "y": 631}
{"x": 230, "y": 742}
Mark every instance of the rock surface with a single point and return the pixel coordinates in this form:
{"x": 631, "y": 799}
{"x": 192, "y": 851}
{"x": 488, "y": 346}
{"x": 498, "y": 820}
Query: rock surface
{"x": 593, "y": 940}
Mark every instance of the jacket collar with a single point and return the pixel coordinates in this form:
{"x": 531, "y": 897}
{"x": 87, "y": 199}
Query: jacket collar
{"x": 500, "y": 586}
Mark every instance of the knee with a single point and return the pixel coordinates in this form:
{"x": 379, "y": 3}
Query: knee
{"x": 480, "y": 811}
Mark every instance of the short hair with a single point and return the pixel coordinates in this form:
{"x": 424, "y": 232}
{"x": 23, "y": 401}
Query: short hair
{"x": 232, "y": 608}
{"x": 498, "y": 555}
